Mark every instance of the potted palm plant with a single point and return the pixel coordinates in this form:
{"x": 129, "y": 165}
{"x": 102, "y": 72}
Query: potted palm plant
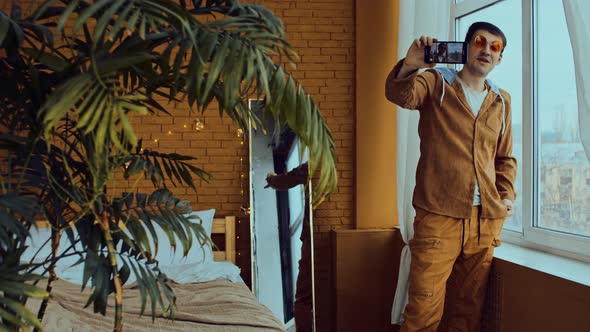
{"x": 73, "y": 74}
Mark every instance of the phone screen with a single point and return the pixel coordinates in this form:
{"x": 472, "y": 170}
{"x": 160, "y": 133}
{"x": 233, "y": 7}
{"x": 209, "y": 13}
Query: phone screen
{"x": 446, "y": 52}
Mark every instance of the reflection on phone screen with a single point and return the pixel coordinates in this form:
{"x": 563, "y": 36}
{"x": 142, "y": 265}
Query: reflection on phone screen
{"x": 446, "y": 52}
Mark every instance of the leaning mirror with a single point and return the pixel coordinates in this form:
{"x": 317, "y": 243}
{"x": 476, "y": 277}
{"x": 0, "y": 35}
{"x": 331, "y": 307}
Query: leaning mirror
{"x": 281, "y": 232}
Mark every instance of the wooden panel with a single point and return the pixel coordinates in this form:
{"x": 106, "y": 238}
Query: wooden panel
{"x": 226, "y": 226}
{"x": 366, "y": 264}
{"x": 219, "y": 256}
{"x": 218, "y": 226}
{"x": 535, "y": 301}
{"x": 230, "y": 239}
{"x": 42, "y": 224}
{"x": 376, "y": 48}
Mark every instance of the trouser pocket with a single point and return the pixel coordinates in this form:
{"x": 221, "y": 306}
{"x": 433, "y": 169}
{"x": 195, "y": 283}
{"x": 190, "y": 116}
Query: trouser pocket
{"x": 494, "y": 227}
{"x": 424, "y": 254}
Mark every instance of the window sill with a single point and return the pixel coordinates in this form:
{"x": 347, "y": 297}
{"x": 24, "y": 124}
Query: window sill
{"x": 559, "y": 266}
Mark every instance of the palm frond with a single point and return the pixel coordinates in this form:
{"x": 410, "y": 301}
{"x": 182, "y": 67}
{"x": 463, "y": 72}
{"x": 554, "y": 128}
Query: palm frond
{"x": 136, "y": 240}
{"x": 16, "y": 285}
{"x": 160, "y": 167}
{"x": 285, "y": 99}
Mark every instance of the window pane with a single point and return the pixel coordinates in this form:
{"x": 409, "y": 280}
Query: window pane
{"x": 508, "y": 76}
{"x": 563, "y": 193}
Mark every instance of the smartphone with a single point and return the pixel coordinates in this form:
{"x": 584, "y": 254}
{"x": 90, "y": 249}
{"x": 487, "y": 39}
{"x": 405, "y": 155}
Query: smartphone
{"x": 446, "y": 52}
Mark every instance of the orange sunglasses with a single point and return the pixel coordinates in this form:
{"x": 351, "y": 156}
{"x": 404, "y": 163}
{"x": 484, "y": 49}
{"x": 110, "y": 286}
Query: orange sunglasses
{"x": 495, "y": 46}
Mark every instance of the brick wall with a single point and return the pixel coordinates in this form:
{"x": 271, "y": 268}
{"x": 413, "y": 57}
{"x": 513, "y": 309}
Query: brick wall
{"x": 217, "y": 148}
{"x": 322, "y": 32}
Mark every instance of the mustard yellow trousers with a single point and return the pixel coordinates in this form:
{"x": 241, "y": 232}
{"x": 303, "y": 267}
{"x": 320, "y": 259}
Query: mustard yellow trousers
{"x": 451, "y": 261}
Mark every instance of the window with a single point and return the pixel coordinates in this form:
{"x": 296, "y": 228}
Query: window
{"x": 552, "y": 210}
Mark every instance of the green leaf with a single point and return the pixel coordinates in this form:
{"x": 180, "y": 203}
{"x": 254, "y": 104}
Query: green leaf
{"x": 104, "y": 126}
{"x": 53, "y": 62}
{"x": 124, "y": 272}
{"x": 66, "y": 14}
{"x": 42, "y": 10}
{"x": 140, "y": 236}
{"x": 216, "y": 64}
{"x": 132, "y": 22}
{"x": 9, "y": 317}
{"x": 122, "y": 62}
{"x": 28, "y": 316}
{"x": 10, "y": 223}
{"x": 263, "y": 77}
{"x": 142, "y": 27}
{"x": 277, "y": 87}
{"x": 105, "y": 19}
{"x": 4, "y": 27}
{"x": 86, "y": 111}
{"x": 90, "y": 264}
{"x": 122, "y": 17}
{"x": 22, "y": 289}
{"x": 88, "y": 12}
{"x": 142, "y": 287}
{"x": 63, "y": 100}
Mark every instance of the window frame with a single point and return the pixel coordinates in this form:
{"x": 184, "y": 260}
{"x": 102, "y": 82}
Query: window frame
{"x": 531, "y": 236}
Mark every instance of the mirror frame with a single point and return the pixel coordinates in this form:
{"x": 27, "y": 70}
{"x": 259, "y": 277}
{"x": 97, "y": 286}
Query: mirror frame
{"x": 253, "y": 259}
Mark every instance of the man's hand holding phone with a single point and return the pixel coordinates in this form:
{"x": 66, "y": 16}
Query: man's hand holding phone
{"x": 415, "y": 57}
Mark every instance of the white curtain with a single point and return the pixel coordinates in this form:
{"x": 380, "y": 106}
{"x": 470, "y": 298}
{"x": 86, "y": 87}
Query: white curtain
{"x": 579, "y": 30}
{"x": 417, "y": 18}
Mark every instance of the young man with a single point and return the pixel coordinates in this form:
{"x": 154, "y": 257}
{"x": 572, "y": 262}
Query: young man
{"x": 464, "y": 179}
{"x": 441, "y": 54}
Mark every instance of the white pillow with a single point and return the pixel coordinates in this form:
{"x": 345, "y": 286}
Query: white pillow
{"x": 197, "y": 254}
{"x": 188, "y": 273}
{"x": 166, "y": 256}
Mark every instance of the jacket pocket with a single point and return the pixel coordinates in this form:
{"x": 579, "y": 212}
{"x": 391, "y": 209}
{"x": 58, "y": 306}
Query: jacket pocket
{"x": 494, "y": 121}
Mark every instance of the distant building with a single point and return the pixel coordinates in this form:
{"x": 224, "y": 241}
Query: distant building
{"x": 565, "y": 188}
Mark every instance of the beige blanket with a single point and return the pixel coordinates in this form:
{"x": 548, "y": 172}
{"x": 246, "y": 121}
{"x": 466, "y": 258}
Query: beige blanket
{"x": 214, "y": 306}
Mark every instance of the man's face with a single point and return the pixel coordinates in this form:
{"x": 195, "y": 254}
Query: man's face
{"x": 482, "y": 57}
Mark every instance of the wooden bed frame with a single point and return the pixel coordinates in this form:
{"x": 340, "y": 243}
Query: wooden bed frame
{"x": 227, "y": 226}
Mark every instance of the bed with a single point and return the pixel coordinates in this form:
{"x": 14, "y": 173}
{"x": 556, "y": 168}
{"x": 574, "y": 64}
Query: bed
{"x": 211, "y": 297}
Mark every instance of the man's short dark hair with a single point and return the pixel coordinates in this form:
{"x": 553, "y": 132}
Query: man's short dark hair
{"x": 489, "y": 27}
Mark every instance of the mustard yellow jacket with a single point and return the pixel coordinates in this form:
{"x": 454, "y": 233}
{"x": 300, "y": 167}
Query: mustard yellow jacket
{"x": 456, "y": 147}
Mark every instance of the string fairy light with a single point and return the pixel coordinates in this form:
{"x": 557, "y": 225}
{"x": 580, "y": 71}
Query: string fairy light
{"x": 197, "y": 125}
{"x": 244, "y": 208}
